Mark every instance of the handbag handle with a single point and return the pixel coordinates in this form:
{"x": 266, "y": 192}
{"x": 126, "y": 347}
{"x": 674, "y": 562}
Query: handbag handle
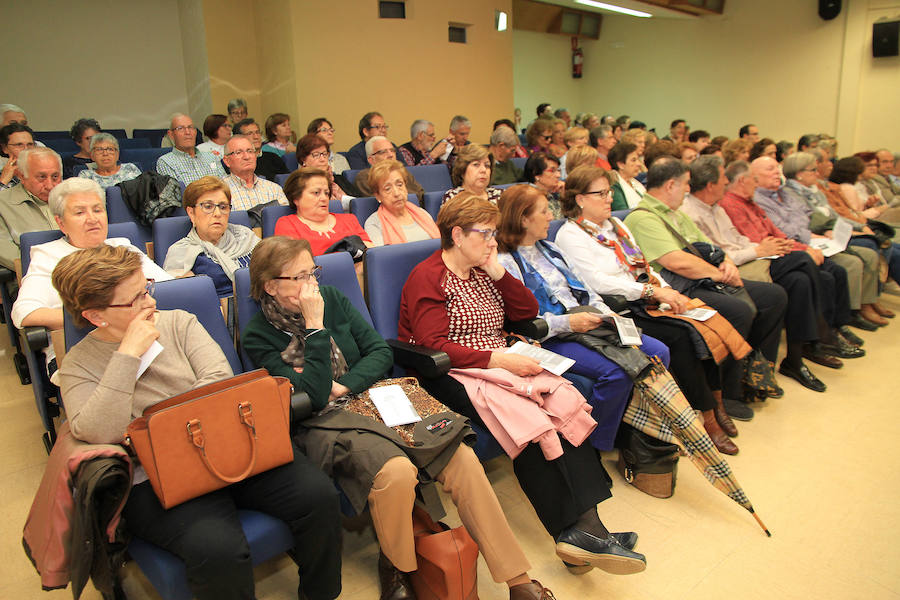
{"x": 195, "y": 433}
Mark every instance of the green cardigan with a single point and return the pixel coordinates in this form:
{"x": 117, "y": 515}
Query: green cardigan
{"x": 367, "y": 354}
{"x": 619, "y": 202}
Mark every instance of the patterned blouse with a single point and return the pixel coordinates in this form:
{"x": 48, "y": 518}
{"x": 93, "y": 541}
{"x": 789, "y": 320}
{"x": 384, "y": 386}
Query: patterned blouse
{"x": 493, "y": 194}
{"x": 475, "y": 309}
{"x": 126, "y": 172}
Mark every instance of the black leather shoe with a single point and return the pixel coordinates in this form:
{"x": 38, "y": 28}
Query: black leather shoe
{"x": 851, "y": 337}
{"x": 578, "y": 547}
{"x": 803, "y": 376}
{"x": 626, "y": 539}
{"x": 843, "y": 348}
{"x": 737, "y": 410}
{"x": 395, "y": 584}
{"x": 860, "y": 323}
{"x": 818, "y": 355}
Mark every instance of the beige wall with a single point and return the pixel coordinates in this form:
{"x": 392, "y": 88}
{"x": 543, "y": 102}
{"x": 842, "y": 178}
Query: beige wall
{"x": 405, "y": 69}
{"x": 771, "y": 62}
{"x": 119, "y": 62}
{"x": 231, "y": 48}
{"x": 542, "y": 72}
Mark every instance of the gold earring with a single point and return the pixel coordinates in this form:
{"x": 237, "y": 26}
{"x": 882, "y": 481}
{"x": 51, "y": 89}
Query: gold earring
{"x": 103, "y": 323}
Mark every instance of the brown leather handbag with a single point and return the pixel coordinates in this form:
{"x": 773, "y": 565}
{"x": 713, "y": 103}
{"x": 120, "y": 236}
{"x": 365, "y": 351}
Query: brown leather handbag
{"x": 214, "y": 435}
{"x": 446, "y": 561}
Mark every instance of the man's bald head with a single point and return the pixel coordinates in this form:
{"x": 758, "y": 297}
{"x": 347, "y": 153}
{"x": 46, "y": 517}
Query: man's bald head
{"x": 765, "y": 171}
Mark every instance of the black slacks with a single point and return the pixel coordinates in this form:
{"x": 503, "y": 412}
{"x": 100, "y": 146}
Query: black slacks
{"x": 835, "y": 293}
{"x": 206, "y": 534}
{"x": 696, "y": 378}
{"x": 799, "y": 275}
{"x": 560, "y": 490}
{"x": 760, "y": 326}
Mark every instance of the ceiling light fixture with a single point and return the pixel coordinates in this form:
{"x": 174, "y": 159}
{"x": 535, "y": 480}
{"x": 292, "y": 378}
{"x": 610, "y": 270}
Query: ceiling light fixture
{"x": 613, "y": 8}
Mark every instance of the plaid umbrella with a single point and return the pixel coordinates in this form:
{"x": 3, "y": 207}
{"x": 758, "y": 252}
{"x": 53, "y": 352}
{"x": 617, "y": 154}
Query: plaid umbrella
{"x": 662, "y": 411}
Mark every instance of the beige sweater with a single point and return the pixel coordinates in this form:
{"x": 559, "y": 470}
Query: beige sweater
{"x": 100, "y": 388}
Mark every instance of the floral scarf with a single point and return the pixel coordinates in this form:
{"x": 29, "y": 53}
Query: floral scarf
{"x": 294, "y": 324}
{"x": 627, "y": 251}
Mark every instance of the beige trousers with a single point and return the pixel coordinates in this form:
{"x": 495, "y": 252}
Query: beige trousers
{"x": 862, "y": 275}
{"x": 391, "y": 503}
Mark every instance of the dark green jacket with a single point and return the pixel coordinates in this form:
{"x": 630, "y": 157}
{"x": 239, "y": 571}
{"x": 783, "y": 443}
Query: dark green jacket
{"x": 505, "y": 172}
{"x": 367, "y": 354}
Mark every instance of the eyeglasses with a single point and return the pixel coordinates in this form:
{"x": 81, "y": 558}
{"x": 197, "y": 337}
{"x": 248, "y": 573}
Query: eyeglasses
{"x": 317, "y": 273}
{"x": 487, "y": 234}
{"x": 28, "y": 145}
{"x": 318, "y": 155}
{"x": 148, "y": 291}
{"x": 241, "y": 152}
{"x": 547, "y": 137}
{"x": 184, "y": 128}
{"x": 384, "y": 152}
{"x": 325, "y": 130}
{"x": 210, "y": 207}
{"x": 602, "y": 193}
{"x": 384, "y": 127}
{"x": 105, "y": 150}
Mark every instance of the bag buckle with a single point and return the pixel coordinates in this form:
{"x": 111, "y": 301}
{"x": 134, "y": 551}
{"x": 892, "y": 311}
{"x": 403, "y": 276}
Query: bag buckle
{"x": 195, "y": 433}
{"x": 629, "y": 474}
{"x": 245, "y": 410}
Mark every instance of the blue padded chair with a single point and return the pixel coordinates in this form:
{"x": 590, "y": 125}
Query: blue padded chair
{"x": 168, "y": 230}
{"x": 432, "y": 203}
{"x": 133, "y": 143}
{"x": 363, "y": 208}
{"x": 519, "y": 162}
{"x": 387, "y": 268}
{"x": 119, "y": 134}
{"x": 270, "y": 216}
{"x": 119, "y": 212}
{"x": 267, "y": 536}
{"x": 351, "y": 174}
{"x": 145, "y": 158}
{"x": 7, "y": 294}
{"x": 280, "y": 178}
{"x": 432, "y": 177}
{"x": 43, "y": 136}
{"x": 290, "y": 161}
{"x": 61, "y": 145}
{"x": 554, "y": 229}
{"x": 621, "y": 214}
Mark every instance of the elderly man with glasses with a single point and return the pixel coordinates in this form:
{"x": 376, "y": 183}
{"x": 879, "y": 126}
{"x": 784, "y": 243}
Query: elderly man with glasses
{"x": 247, "y": 190}
{"x": 371, "y": 124}
{"x": 378, "y": 149}
{"x": 185, "y": 163}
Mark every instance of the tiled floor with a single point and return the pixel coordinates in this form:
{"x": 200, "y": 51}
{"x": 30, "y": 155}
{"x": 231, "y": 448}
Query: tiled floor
{"x": 821, "y": 469}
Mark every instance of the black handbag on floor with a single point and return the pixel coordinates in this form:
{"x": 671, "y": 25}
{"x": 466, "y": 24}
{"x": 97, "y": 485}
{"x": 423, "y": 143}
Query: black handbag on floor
{"x": 647, "y": 463}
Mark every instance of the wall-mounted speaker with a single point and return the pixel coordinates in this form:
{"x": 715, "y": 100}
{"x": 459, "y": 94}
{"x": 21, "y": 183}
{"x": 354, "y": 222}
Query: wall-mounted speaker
{"x": 829, "y": 9}
{"x": 885, "y": 36}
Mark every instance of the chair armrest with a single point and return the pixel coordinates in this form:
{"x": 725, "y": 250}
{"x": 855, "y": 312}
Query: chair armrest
{"x": 36, "y": 337}
{"x": 424, "y": 361}
{"x": 616, "y": 302}
{"x": 301, "y": 408}
{"x": 534, "y": 329}
{"x": 7, "y": 275}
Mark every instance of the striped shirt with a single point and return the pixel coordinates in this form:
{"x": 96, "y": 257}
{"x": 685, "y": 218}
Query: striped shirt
{"x": 186, "y": 168}
{"x": 262, "y": 191}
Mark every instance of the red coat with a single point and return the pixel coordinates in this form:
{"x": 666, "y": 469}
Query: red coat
{"x": 48, "y": 529}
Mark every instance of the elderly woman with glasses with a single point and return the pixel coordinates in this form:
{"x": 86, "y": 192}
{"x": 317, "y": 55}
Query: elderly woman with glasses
{"x": 626, "y": 160}
{"x": 213, "y": 246}
{"x": 105, "y": 168}
{"x": 472, "y": 173}
{"x": 539, "y": 135}
{"x": 105, "y": 388}
{"x": 14, "y": 138}
{"x": 217, "y": 131}
{"x": 313, "y": 152}
{"x": 323, "y": 128}
{"x": 314, "y": 336}
{"x": 543, "y": 172}
{"x": 456, "y": 301}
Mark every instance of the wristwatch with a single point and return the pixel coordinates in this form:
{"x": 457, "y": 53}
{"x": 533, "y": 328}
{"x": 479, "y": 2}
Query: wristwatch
{"x": 647, "y": 294}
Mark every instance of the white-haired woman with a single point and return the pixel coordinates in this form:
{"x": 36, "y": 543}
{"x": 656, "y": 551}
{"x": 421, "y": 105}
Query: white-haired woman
{"x": 105, "y": 168}
{"x": 79, "y": 207}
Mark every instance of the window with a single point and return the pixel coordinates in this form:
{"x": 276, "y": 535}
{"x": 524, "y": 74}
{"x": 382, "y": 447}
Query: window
{"x": 457, "y": 33}
{"x": 391, "y": 9}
